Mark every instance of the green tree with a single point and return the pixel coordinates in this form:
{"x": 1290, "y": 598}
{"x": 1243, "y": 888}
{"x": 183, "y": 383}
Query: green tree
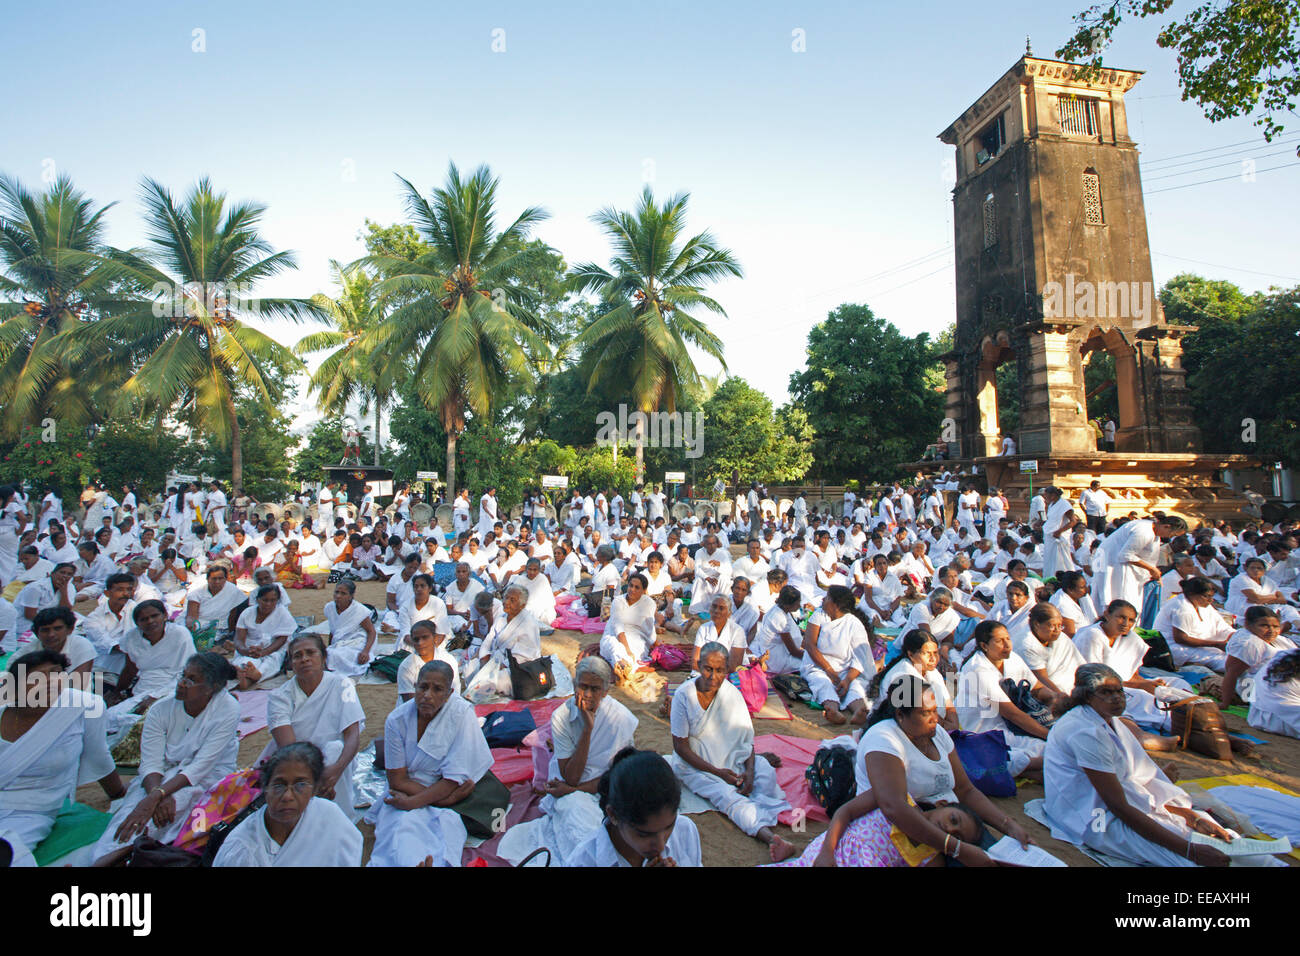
{"x": 201, "y": 269}
{"x": 656, "y": 279}
{"x": 268, "y": 443}
{"x": 55, "y": 275}
{"x": 459, "y": 310}
{"x": 874, "y": 396}
{"x": 1234, "y": 56}
{"x": 350, "y": 373}
{"x": 741, "y": 433}
{"x": 130, "y": 450}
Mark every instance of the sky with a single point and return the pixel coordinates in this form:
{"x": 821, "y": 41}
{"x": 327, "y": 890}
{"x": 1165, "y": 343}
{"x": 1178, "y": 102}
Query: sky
{"x": 806, "y": 135}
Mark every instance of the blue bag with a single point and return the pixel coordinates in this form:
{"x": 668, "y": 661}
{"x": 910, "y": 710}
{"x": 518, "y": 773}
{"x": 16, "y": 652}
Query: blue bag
{"x": 986, "y": 758}
{"x": 508, "y": 728}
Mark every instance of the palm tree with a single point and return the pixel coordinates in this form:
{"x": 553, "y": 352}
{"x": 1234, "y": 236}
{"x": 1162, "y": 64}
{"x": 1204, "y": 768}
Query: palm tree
{"x": 56, "y": 274}
{"x": 653, "y": 280}
{"x": 196, "y": 351}
{"x": 349, "y": 373}
{"x": 462, "y": 321}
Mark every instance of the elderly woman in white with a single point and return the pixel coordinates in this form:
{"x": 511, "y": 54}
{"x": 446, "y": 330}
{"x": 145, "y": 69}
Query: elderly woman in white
{"x": 319, "y": 706}
{"x": 778, "y": 643}
{"x": 352, "y": 631}
{"x": 1252, "y": 587}
{"x": 982, "y": 704}
{"x": 156, "y": 653}
{"x": 586, "y": 733}
{"x": 721, "y": 628}
{"x": 712, "y": 574}
{"x": 53, "y": 739}
{"x": 1050, "y": 656}
{"x": 295, "y": 828}
{"x": 713, "y": 752}
{"x": 882, "y": 592}
{"x": 630, "y": 631}
{"x": 514, "y": 633}
{"x": 187, "y": 745}
{"x": 1106, "y": 793}
{"x": 434, "y": 756}
{"x": 261, "y": 634}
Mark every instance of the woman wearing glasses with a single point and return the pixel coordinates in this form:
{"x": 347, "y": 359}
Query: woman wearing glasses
{"x": 295, "y": 827}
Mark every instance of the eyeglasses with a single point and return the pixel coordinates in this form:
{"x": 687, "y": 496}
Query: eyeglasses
{"x": 302, "y": 788}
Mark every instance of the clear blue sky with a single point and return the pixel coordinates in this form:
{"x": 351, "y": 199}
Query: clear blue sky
{"x": 820, "y": 170}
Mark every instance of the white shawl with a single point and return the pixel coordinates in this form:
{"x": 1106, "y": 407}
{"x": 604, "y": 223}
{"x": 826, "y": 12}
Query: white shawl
{"x": 203, "y": 748}
{"x": 346, "y": 627}
{"x": 451, "y": 748}
{"x": 520, "y": 636}
{"x": 614, "y": 729}
{"x": 321, "y": 718}
{"x": 723, "y": 735}
{"x": 66, "y": 748}
{"x": 323, "y": 836}
{"x": 160, "y": 665}
{"x": 632, "y": 619}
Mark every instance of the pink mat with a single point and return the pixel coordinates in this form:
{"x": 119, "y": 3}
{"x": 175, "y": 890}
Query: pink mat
{"x": 796, "y": 754}
{"x": 569, "y": 620}
{"x": 252, "y": 710}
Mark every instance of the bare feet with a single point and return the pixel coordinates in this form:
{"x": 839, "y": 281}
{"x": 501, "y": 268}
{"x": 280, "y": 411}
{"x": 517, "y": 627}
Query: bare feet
{"x": 833, "y": 716}
{"x": 780, "y": 849}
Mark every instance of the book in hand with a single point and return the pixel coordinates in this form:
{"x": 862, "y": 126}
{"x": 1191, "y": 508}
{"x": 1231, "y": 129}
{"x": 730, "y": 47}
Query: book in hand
{"x": 1244, "y": 846}
{"x": 1008, "y": 850}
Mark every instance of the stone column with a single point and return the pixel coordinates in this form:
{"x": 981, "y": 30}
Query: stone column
{"x": 1052, "y": 417}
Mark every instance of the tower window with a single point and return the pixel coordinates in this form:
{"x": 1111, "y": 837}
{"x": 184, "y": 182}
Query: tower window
{"x": 1079, "y": 116}
{"x": 1092, "y": 199}
{"x": 990, "y": 222}
{"x": 991, "y": 140}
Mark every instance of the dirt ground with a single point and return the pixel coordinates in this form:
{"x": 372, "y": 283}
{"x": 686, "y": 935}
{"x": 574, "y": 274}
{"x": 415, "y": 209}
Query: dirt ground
{"x": 723, "y": 844}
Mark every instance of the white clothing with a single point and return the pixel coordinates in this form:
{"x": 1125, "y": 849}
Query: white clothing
{"x": 347, "y": 638}
{"x": 408, "y": 671}
{"x": 323, "y": 836}
{"x": 279, "y": 623}
{"x": 844, "y": 644}
{"x": 321, "y": 719}
{"x": 637, "y": 624}
{"x": 928, "y": 781}
{"x": 683, "y": 847}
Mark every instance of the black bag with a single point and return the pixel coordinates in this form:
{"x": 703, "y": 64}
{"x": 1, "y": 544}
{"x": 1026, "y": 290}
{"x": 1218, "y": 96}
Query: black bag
{"x": 793, "y": 686}
{"x": 1022, "y": 696}
{"x": 148, "y": 852}
{"x": 831, "y": 778}
{"x": 217, "y": 835}
{"x": 536, "y": 853}
{"x": 1158, "y": 654}
{"x": 388, "y": 665}
{"x": 530, "y": 679}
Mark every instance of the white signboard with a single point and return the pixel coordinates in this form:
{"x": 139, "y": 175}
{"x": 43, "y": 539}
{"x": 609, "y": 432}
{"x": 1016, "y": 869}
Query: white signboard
{"x": 719, "y": 487}
{"x": 555, "y": 481}
{"x": 1029, "y": 467}
{"x": 674, "y": 477}
{"x": 426, "y": 476}
{"x": 381, "y": 489}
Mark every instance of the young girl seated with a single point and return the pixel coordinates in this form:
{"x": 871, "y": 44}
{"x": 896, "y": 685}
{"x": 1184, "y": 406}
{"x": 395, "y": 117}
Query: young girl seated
{"x": 861, "y": 835}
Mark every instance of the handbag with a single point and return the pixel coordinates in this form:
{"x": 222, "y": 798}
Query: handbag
{"x": 986, "y": 758}
{"x": 538, "y": 852}
{"x": 1022, "y": 695}
{"x": 148, "y": 852}
{"x": 217, "y": 835}
{"x": 1198, "y": 725}
{"x": 530, "y": 679}
{"x": 670, "y": 657}
{"x": 752, "y": 682}
{"x": 794, "y": 687}
{"x": 484, "y": 810}
{"x": 388, "y": 665}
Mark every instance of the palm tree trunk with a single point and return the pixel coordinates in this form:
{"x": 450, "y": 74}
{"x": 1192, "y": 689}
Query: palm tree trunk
{"x": 640, "y": 449}
{"x": 451, "y": 465}
{"x": 376, "y": 431}
{"x": 236, "y": 449}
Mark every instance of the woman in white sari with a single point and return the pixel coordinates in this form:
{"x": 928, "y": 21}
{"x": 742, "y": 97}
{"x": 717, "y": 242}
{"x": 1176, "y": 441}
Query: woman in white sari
{"x": 435, "y": 756}
{"x": 1276, "y": 707}
{"x": 156, "y": 653}
{"x": 1111, "y": 641}
{"x": 1050, "y": 656}
{"x": 1106, "y": 793}
{"x": 1193, "y": 627}
{"x": 187, "y": 744}
{"x": 295, "y": 827}
{"x": 260, "y": 636}
{"x": 1250, "y": 650}
{"x": 713, "y": 752}
{"x": 1251, "y": 587}
{"x": 51, "y": 741}
{"x": 1073, "y": 601}
{"x": 586, "y": 732}
{"x": 1129, "y": 558}
{"x": 319, "y": 706}
{"x": 834, "y": 657}
{"x": 352, "y": 631}
{"x": 982, "y": 704}
{"x": 514, "y": 633}
{"x": 778, "y": 644}
{"x": 13, "y": 519}
{"x": 630, "y": 631}
{"x": 639, "y": 797}
{"x": 920, "y": 659}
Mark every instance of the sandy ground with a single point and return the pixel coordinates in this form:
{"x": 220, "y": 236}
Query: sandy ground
{"x": 723, "y": 844}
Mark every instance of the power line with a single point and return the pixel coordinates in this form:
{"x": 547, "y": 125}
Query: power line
{"x": 1218, "y": 265}
{"x": 1216, "y": 165}
{"x": 1267, "y": 169}
{"x": 1202, "y": 159}
{"x": 1211, "y": 149}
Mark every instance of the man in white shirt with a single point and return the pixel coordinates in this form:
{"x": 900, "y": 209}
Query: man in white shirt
{"x": 752, "y": 565}
{"x": 1109, "y": 432}
{"x": 459, "y": 597}
{"x": 1037, "y": 508}
{"x": 1008, "y": 447}
{"x": 849, "y": 499}
{"x": 1095, "y": 503}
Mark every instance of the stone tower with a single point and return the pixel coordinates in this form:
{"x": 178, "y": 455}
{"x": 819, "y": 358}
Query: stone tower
{"x": 1053, "y": 264}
